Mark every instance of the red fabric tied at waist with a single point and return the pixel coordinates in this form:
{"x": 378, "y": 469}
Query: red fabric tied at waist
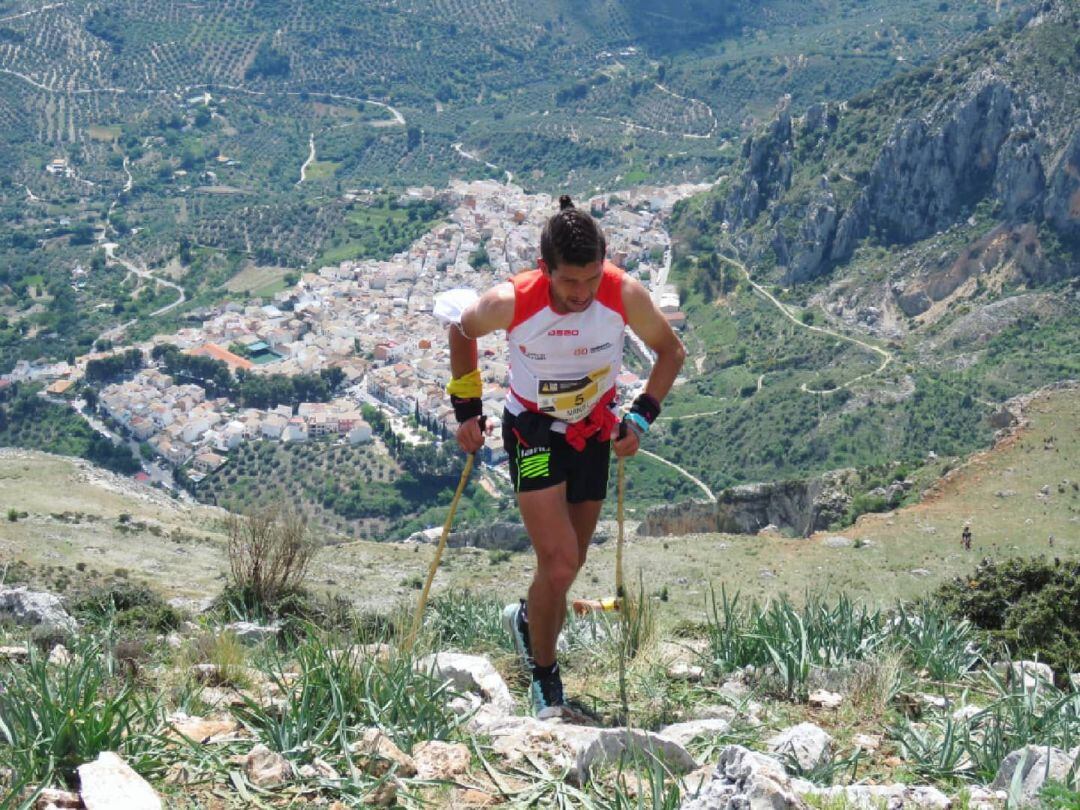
{"x": 600, "y": 421}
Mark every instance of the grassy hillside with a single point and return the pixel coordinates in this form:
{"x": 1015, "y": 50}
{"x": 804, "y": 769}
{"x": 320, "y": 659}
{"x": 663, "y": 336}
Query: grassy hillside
{"x": 899, "y": 555}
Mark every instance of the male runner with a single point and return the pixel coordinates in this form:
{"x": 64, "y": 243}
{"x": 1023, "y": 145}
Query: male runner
{"x": 565, "y": 324}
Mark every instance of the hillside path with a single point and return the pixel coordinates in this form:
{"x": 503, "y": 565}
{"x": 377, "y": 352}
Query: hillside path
{"x": 886, "y": 357}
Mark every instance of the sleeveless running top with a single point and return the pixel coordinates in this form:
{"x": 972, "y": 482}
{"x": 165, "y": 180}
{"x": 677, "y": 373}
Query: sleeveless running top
{"x": 563, "y": 365}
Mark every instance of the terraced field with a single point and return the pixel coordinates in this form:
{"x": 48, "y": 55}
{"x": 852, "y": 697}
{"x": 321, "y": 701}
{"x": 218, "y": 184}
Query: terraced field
{"x": 190, "y": 122}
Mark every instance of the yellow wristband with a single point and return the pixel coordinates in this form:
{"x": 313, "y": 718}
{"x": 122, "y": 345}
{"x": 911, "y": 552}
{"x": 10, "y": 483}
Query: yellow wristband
{"x": 468, "y": 386}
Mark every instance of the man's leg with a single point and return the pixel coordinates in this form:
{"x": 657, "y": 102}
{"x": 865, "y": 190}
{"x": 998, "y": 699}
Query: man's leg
{"x": 584, "y": 516}
{"x": 547, "y": 519}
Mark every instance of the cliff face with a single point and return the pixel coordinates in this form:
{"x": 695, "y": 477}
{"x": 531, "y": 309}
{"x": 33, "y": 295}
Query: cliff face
{"x": 801, "y": 507}
{"x": 991, "y": 130}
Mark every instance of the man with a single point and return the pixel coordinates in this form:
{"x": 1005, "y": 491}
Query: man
{"x": 565, "y": 323}
{"x": 965, "y": 538}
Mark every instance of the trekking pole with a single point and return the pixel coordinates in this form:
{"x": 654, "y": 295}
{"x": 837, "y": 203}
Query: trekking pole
{"x": 419, "y": 617}
{"x": 620, "y": 590}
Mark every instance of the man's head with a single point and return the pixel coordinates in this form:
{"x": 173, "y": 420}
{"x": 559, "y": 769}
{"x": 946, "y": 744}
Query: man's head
{"x": 572, "y": 248}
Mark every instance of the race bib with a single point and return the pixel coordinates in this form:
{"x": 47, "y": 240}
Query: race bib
{"x": 571, "y": 400}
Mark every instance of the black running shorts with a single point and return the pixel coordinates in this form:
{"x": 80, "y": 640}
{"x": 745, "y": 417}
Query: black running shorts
{"x": 541, "y": 458}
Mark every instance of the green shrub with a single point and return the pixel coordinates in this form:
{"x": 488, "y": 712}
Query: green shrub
{"x": 1030, "y": 605}
{"x": 127, "y": 605}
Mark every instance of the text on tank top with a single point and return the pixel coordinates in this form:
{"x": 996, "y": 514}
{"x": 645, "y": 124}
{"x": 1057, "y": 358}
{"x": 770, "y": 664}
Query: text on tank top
{"x": 562, "y": 364}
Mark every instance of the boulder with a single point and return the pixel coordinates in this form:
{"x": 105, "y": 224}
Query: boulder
{"x": 1030, "y": 673}
{"x": 441, "y": 760}
{"x": 683, "y": 733}
{"x": 377, "y": 754}
{"x": 108, "y": 783}
{"x": 203, "y": 729}
{"x": 745, "y": 780}
{"x": 35, "y": 609}
{"x": 825, "y": 699}
{"x": 810, "y": 745}
{"x": 980, "y": 798}
{"x": 873, "y": 797}
{"x": 251, "y": 633}
{"x": 470, "y": 673}
{"x": 318, "y": 769}
{"x": 681, "y": 671}
{"x": 1038, "y": 765}
{"x": 575, "y": 750}
{"x": 265, "y": 768}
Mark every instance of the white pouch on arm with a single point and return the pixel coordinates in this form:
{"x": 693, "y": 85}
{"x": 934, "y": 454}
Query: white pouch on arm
{"x": 451, "y": 305}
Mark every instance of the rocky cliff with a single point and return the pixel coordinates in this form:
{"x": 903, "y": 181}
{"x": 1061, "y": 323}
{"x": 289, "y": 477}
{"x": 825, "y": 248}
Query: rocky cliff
{"x": 800, "y": 506}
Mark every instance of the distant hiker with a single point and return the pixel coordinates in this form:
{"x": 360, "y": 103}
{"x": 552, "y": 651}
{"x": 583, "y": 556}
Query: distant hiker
{"x": 1050, "y": 540}
{"x": 965, "y": 538}
{"x": 565, "y": 323}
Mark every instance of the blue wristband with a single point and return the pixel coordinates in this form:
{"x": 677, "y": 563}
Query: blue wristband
{"x": 637, "y": 423}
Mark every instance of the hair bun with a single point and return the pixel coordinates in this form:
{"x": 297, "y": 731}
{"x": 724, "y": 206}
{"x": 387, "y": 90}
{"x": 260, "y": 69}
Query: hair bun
{"x": 565, "y": 202}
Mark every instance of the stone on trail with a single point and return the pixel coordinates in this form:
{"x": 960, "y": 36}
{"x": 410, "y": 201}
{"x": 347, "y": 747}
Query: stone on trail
{"x": 441, "y": 760}
{"x": 683, "y": 733}
{"x": 377, "y": 754}
{"x": 265, "y": 768}
{"x": 746, "y": 780}
{"x": 825, "y": 699}
{"x": 470, "y": 673}
{"x": 109, "y": 783}
{"x": 810, "y": 745}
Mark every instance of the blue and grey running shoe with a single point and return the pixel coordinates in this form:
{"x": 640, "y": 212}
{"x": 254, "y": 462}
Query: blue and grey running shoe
{"x": 513, "y": 618}
{"x": 546, "y": 695}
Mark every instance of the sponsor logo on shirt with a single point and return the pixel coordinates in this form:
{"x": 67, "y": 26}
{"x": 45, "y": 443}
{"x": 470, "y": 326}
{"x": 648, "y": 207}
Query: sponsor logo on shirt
{"x": 563, "y": 333}
{"x": 601, "y": 348}
{"x": 531, "y": 355}
{"x": 580, "y": 350}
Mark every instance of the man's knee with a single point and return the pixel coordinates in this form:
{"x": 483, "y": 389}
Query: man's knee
{"x": 558, "y": 571}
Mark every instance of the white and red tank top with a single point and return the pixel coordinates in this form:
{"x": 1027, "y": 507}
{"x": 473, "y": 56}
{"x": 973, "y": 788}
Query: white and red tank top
{"x": 562, "y": 365}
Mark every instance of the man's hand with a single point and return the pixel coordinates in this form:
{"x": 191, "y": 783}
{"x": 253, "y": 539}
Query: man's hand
{"x": 471, "y": 433}
{"x": 627, "y": 445}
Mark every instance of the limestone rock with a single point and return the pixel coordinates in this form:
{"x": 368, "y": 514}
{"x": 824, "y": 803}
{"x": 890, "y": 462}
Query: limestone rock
{"x": 441, "y": 760}
{"x": 872, "y": 797}
{"x": 1062, "y": 203}
{"x": 377, "y": 754}
{"x": 53, "y": 799}
{"x": 1030, "y": 673}
{"x": 470, "y": 673}
{"x": 265, "y": 768}
{"x": 683, "y": 733}
{"x": 825, "y": 699}
{"x": 35, "y": 608}
{"x": 203, "y": 729}
{"x": 251, "y": 633}
{"x": 318, "y": 769}
{"x": 1039, "y": 764}
{"x": 59, "y": 656}
{"x": 810, "y": 745}
{"x": 681, "y": 671}
{"x": 108, "y": 783}
{"x": 1019, "y": 181}
{"x": 745, "y": 780}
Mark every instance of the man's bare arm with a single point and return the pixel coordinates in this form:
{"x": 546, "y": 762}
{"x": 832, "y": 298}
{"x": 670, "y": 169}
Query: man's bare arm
{"x": 643, "y": 316}
{"x": 491, "y": 311}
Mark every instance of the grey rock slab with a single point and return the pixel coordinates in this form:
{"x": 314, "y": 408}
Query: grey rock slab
{"x": 746, "y": 780}
{"x": 35, "y": 608}
{"x": 1039, "y": 764}
{"x": 809, "y": 744}
{"x": 683, "y": 733}
{"x": 873, "y": 797}
{"x": 109, "y": 783}
{"x": 470, "y": 673}
{"x": 251, "y": 633}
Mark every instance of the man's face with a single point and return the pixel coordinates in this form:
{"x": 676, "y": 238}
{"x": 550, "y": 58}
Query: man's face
{"x": 573, "y": 286}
